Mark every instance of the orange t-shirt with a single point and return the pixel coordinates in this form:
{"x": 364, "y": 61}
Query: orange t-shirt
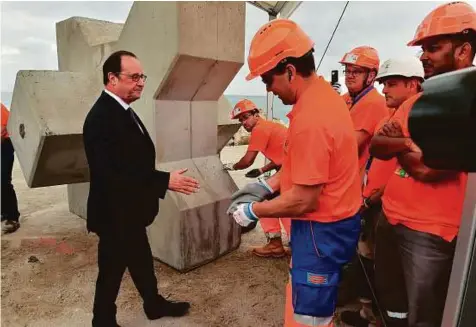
{"x": 434, "y": 208}
{"x": 5, "y": 115}
{"x": 366, "y": 112}
{"x": 321, "y": 149}
{"x": 268, "y": 138}
{"x": 380, "y": 170}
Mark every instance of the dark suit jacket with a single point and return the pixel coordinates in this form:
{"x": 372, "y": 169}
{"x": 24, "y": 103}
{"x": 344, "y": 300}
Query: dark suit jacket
{"x": 125, "y": 187}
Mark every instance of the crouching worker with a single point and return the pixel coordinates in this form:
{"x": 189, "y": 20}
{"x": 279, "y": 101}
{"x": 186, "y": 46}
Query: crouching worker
{"x": 268, "y": 138}
{"x": 319, "y": 180}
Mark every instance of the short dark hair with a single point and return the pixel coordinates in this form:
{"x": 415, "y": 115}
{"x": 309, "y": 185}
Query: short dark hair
{"x": 419, "y": 80}
{"x": 113, "y": 64}
{"x": 305, "y": 64}
{"x": 466, "y": 36}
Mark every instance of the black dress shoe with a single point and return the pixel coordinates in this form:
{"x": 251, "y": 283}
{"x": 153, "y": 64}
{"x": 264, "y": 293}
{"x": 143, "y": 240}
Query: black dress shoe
{"x": 167, "y": 309}
{"x": 105, "y": 324}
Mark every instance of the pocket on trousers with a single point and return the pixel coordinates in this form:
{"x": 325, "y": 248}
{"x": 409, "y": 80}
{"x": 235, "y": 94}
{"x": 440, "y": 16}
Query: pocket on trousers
{"x": 314, "y": 293}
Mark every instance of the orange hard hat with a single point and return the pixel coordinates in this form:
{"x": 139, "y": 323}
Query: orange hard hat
{"x": 363, "y": 56}
{"x": 450, "y": 18}
{"x": 241, "y": 107}
{"x": 275, "y": 41}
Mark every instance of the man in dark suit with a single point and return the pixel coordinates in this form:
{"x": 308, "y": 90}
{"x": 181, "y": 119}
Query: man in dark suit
{"x": 124, "y": 192}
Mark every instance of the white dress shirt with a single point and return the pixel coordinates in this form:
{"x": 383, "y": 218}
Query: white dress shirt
{"x": 124, "y": 105}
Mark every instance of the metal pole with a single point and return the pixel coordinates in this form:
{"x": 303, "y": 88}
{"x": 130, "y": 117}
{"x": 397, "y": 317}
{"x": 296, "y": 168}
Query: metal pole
{"x": 461, "y": 298}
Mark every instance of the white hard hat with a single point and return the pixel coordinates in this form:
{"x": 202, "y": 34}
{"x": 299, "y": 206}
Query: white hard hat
{"x": 407, "y": 67}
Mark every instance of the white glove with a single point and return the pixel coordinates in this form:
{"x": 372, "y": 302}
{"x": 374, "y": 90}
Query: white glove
{"x": 244, "y": 214}
{"x": 228, "y": 166}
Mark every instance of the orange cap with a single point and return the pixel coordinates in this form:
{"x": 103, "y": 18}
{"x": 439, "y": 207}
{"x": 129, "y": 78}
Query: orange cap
{"x": 275, "y": 41}
{"x": 241, "y": 107}
{"x": 450, "y": 18}
{"x": 364, "y": 56}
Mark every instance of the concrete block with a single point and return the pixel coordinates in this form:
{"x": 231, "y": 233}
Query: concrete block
{"x": 217, "y": 79}
{"x": 200, "y": 230}
{"x": 190, "y": 52}
{"x": 46, "y": 125}
{"x": 78, "y": 199}
{"x": 186, "y": 77}
{"x": 83, "y": 43}
{"x": 172, "y": 138}
{"x": 203, "y": 127}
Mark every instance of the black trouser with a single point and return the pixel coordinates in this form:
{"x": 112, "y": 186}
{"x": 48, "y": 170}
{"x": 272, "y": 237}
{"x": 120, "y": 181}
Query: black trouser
{"x": 426, "y": 262}
{"x": 389, "y": 279}
{"x": 9, "y": 198}
{"x": 360, "y": 271}
{"x": 116, "y": 252}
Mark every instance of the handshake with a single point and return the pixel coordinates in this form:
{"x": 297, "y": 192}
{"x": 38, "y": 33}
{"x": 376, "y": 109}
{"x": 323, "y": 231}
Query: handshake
{"x": 241, "y": 207}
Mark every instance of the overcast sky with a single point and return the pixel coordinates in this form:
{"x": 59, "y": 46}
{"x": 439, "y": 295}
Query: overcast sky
{"x": 28, "y": 39}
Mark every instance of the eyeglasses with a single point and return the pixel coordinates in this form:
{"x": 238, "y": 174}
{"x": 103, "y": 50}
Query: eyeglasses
{"x": 354, "y": 72}
{"x": 134, "y": 77}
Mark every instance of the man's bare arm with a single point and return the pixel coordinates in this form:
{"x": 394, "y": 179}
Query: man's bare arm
{"x": 270, "y": 166}
{"x": 412, "y": 163}
{"x": 296, "y": 202}
{"x": 275, "y": 181}
{"x": 246, "y": 161}
{"x": 385, "y": 148}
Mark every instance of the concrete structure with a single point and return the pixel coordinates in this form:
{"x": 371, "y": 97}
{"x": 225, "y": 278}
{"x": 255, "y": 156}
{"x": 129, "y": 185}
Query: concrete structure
{"x": 190, "y": 51}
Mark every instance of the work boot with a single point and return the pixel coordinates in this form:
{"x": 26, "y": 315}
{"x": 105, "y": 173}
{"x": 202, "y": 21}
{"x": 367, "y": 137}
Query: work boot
{"x": 10, "y": 226}
{"x": 274, "y": 248}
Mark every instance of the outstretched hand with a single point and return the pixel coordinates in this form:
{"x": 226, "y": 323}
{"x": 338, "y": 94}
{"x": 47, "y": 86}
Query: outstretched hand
{"x": 183, "y": 184}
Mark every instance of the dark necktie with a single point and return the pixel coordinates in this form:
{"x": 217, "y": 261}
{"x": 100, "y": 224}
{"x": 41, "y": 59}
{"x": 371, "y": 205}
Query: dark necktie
{"x": 134, "y": 118}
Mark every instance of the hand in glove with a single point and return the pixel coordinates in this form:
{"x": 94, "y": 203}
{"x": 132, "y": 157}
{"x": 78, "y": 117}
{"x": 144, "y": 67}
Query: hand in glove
{"x": 244, "y": 214}
{"x": 252, "y": 192}
{"x": 253, "y": 173}
{"x": 228, "y": 166}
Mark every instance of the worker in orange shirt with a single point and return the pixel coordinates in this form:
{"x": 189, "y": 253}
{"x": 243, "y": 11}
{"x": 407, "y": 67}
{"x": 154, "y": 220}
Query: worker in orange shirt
{"x": 367, "y": 108}
{"x": 10, "y": 214}
{"x": 424, "y": 205}
{"x": 319, "y": 179}
{"x": 268, "y": 138}
{"x": 402, "y": 79}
